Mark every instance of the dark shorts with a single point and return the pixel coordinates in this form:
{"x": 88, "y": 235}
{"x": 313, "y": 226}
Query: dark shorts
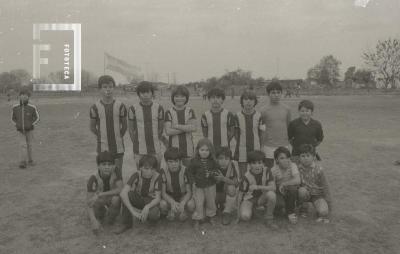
{"x": 137, "y": 200}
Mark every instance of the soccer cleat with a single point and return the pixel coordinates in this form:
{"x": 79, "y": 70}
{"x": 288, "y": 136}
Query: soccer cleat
{"x": 22, "y": 164}
{"x": 270, "y": 223}
{"x": 226, "y": 219}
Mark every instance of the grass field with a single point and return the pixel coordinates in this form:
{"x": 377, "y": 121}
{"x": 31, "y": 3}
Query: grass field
{"x": 42, "y": 208}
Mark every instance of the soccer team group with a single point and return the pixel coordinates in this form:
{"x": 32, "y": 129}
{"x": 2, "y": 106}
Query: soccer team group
{"x": 206, "y": 180}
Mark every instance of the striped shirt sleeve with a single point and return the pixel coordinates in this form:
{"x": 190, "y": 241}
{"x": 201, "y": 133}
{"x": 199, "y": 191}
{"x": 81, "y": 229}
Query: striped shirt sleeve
{"x": 191, "y": 114}
{"x": 133, "y": 179}
{"x": 122, "y": 111}
{"x": 168, "y": 116}
{"x": 93, "y": 112}
{"x": 131, "y": 114}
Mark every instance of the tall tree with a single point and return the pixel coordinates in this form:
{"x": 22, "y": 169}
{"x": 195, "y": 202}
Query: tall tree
{"x": 349, "y": 75}
{"x": 385, "y": 61}
{"x": 326, "y": 72}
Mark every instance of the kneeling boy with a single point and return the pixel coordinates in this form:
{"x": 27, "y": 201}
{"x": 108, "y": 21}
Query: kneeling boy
{"x": 176, "y": 188}
{"x": 103, "y": 192}
{"x": 257, "y": 189}
{"x": 314, "y": 187}
{"x": 227, "y": 182}
{"x": 142, "y": 194}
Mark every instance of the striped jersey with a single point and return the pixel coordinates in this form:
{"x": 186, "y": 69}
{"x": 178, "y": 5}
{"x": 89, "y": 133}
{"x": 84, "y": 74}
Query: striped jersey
{"x": 175, "y": 182}
{"x": 183, "y": 141}
{"x": 145, "y": 122}
{"x": 108, "y": 120}
{"x": 248, "y": 130}
{"x": 145, "y": 187}
{"x": 216, "y": 126}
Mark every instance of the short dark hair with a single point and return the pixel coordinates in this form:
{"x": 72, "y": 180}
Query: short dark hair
{"x": 105, "y": 156}
{"x": 255, "y": 156}
{"x": 248, "y": 95}
{"x": 216, "y": 92}
{"x": 274, "y": 85}
{"x": 149, "y": 160}
{"x": 280, "y": 150}
{"x": 306, "y": 104}
{"x": 105, "y": 79}
{"x": 307, "y": 148}
{"x": 224, "y": 150}
{"x": 172, "y": 153}
{"x": 181, "y": 90}
{"x": 25, "y": 90}
{"x": 144, "y": 87}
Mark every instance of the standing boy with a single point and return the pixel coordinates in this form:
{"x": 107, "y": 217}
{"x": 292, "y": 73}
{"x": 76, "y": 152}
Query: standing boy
{"x": 103, "y": 191}
{"x": 305, "y": 130}
{"x": 25, "y": 116}
{"x": 257, "y": 189}
{"x": 176, "y": 189}
{"x": 108, "y": 122}
{"x": 249, "y": 127}
{"x": 180, "y": 123}
{"x": 146, "y": 123}
{"x": 276, "y": 117}
{"x": 217, "y": 123}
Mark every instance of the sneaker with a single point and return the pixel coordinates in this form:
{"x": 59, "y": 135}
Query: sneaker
{"x": 326, "y": 220}
{"x": 292, "y": 218}
{"x": 319, "y": 220}
{"x": 270, "y": 223}
{"x": 121, "y": 228}
{"x": 171, "y": 216}
{"x": 22, "y": 164}
{"x": 183, "y": 216}
{"x": 211, "y": 220}
{"x": 226, "y": 218}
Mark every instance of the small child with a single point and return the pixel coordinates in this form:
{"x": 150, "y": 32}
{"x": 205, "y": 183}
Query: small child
{"x": 287, "y": 180}
{"x": 217, "y": 123}
{"x": 103, "y": 192}
{"x": 108, "y": 122}
{"x": 305, "y": 130}
{"x": 227, "y": 181}
{"x": 176, "y": 189}
{"x": 180, "y": 123}
{"x": 257, "y": 189}
{"x": 146, "y": 123}
{"x": 25, "y": 116}
{"x": 249, "y": 127}
{"x": 202, "y": 169}
{"x": 276, "y": 117}
{"x": 141, "y": 195}
{"x": 314, "y": 187}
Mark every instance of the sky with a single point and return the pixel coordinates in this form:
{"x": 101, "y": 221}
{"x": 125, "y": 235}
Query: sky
{"x": 198, "y": 39}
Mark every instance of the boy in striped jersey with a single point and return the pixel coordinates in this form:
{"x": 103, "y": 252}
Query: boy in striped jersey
{"x": 146, "y": 123}
{"x": 103, "y": 192}
{"x": 176, "y": 189}
{"x": 257, "y": 188}
{"x": 248, "y": 129}
{"x": 227, "y": 181}
{"x": 180, "y": 123}
{"x": 141, "y": 195}
{"x": 108, "y": 122}
{"x": 25, "y": 116}
{"x": 217, "y": 123}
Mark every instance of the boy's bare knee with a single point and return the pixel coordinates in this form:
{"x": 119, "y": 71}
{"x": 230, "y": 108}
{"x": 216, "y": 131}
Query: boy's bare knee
{"x": 154, "y": 214}
{"x": 322, "y": 207}
{"x": 191, "y": 206}
{"x": 303, "y": 194}
{"x": 116, "y": 201}
{"x": 231, "y": 191}
{"x": 271, "y": 196}
{"x": 163, "y": 205}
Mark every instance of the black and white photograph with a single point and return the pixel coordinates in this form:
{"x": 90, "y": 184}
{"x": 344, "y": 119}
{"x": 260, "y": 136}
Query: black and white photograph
{"x": 200, "y": 126}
